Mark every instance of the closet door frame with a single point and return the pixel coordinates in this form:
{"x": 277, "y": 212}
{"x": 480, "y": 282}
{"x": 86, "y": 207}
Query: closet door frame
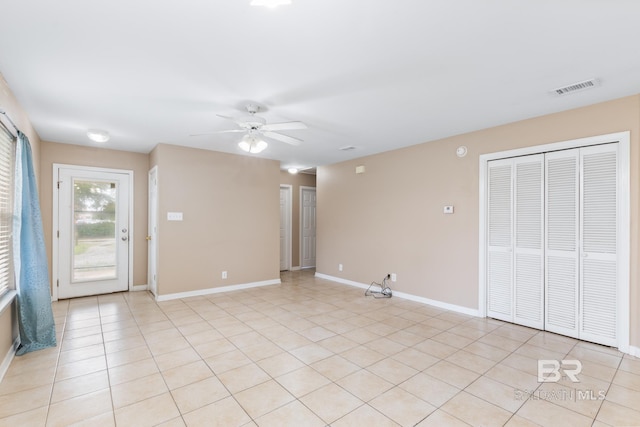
{"x": 623, "y": 244}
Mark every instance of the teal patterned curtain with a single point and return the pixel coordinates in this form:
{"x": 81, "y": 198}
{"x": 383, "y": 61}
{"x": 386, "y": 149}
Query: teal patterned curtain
{"x": 35, "y": 316}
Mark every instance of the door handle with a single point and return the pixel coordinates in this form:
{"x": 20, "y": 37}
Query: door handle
{"x": 148, "y": 238}
{"x": 125, "y": 238}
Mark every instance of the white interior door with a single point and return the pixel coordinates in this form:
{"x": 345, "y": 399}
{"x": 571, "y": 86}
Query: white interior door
{"x": 500, "y": 240}
{"x": 562, "y": 258}
{"x": 308, "y": 226}
{"x": 93, "y": 232}
{"x": 528, "y": 241}
{"x": 515, "y": 281}
{"x": 152, "y": 236}
{"x": 598, "y": 244}
{"x": 585, "y": 223}
{"x": 285, "y": 228}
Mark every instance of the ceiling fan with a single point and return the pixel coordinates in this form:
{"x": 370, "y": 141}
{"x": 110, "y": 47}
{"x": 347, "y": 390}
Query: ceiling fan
{"x": 255, "y": 127}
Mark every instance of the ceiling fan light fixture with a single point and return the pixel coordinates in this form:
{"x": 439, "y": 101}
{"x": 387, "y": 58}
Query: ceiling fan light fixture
{"x": 252, "y": 145}
{"x": 98, "y": 135}
{"x": 270, "y": 3}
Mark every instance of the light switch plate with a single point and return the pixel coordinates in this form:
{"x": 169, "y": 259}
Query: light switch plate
{"x": 448, "y": 209}
{"x": 174, "y": 216}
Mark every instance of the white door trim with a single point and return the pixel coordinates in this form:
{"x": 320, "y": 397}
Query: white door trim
{"x": 624, "y": 229}
{"x": 289, "y": 225}
{"x": 55, "y": 215}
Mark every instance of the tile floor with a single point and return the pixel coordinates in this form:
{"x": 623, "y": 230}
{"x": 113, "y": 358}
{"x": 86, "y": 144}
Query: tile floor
{"x": 306, "y": 353}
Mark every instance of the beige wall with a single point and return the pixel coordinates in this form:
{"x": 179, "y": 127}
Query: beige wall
{"x": 68, "y": 154}
{"x": 390, "y": 220}
{"x": 8, "y": 103}
{"x": 296, "y": 181}
{"x": 231, "y": 212}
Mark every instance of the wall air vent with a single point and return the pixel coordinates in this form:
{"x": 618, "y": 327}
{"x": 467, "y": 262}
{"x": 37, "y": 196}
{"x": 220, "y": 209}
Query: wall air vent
{"x": 347, "y": 148}
{"x": 576, "y": 87}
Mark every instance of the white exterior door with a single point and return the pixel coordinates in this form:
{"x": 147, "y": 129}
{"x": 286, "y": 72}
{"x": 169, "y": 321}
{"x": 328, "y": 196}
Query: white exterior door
{"x": 308, "y": 226}
{"x": 152, "y": 236}
{"x": 285, "y": 228}
{"x": 93, "y": 232}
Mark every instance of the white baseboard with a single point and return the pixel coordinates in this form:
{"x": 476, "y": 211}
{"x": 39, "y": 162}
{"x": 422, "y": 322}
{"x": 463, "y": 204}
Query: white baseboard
{"x": 440, "y": 304}
{"x": 634, "y": 351}
{"x": 341, "y": 280}
{"x": 410, "y": 297}
{"x": 297, "y": 268}
{"x": 8, "y": 358}
{"x": 138, "y": 288}
{"x": 210, "y": 291}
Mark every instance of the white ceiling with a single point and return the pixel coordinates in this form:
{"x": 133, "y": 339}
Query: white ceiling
{"x": 374, "y": 74}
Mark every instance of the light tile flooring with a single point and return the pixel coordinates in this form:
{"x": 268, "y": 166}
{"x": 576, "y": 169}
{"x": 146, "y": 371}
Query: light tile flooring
{"x": 306, "y": 353}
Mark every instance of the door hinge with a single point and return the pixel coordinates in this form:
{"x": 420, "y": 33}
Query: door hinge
{"x": 57, "y": 283}
{"x": 58, "y": 185}
{"x": 58, "y": 236}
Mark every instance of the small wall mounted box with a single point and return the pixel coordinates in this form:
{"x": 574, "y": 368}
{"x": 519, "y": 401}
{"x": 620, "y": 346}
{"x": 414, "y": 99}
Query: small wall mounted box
{"x": 174, "y": 216}
{"x": 448, "y": 209}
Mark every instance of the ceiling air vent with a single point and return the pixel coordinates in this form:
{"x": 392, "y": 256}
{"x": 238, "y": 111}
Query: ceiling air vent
{"x": 347, "y": 148}
{"x": 576, "y": 87}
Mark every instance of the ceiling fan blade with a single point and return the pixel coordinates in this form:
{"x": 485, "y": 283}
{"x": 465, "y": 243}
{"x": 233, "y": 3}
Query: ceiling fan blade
{"x": 284, "y": 126}
{"x": 237, "y": 120}
{"x": 233, "y": 119}
{"x": 219, "y": 131}
{"x": 283, "y": 138}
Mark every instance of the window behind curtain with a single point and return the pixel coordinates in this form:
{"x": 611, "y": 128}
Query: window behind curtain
{"x": 7, "y": 156}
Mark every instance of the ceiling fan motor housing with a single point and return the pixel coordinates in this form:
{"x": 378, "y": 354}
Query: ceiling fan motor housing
{"x": 251, "y": 122}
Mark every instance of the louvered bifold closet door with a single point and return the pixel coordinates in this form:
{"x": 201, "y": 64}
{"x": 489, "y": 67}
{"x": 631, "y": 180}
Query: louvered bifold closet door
{"x": 528, "y": 259}
{"x": 562, "y": 232}
{"x": 598, "y": 296}
{"x": 500, "y": 246}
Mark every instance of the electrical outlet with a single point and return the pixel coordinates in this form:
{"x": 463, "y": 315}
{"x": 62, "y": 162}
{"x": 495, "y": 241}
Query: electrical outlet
{"x": 339, "y": 267}
{"x": 394, "y": 277}
{"x": 224, "y": 274}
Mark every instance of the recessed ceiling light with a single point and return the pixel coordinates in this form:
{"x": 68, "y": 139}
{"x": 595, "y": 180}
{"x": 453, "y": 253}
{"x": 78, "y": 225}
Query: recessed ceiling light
{"x": 293, "y": 171}
{"x": 270, "y": 3}
{"x": 98, "y": 135}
